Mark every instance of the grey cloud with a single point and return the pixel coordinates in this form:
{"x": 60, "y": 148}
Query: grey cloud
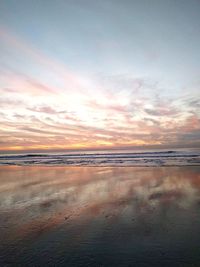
{"x": 46, "y": 109}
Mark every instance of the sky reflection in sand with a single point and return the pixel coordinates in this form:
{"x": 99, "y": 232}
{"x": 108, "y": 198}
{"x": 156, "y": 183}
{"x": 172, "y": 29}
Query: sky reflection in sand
{"x": 122, "y": 204}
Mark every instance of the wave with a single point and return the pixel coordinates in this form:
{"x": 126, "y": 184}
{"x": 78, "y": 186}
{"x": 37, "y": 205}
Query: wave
{"x": 152, "y": 158}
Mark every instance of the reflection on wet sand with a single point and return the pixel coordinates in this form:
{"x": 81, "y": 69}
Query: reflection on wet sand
{"x": 92, "y": 215}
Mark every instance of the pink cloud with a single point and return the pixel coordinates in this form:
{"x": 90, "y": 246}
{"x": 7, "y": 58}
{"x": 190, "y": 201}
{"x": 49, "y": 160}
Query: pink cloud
{"x": 70, "y": 79}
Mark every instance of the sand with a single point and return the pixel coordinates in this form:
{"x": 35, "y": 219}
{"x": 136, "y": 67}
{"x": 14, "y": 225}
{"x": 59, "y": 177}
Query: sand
{"x": 99, "y": 216}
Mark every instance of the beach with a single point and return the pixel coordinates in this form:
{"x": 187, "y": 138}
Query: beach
{"x": 100, "y": 133}
{"x": 99, "y": 216}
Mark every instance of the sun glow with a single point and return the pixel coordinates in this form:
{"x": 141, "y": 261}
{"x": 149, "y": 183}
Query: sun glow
{"x": 102, "y": 93}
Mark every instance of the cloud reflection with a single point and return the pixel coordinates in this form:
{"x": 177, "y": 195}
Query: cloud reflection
{"x": 42, "y": 198}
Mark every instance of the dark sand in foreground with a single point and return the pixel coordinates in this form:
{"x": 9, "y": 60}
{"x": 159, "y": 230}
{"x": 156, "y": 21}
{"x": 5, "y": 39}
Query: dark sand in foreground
{"x": 95, "y": 216}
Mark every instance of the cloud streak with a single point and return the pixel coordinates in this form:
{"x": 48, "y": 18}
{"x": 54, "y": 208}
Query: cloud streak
{"x": 72, "y": 111}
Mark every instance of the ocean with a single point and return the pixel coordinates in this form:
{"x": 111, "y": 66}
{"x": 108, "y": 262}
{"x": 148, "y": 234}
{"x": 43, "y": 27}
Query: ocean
{"x": 181, "y": 157}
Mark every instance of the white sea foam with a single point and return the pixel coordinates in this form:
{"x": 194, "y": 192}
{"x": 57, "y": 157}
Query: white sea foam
{"x": 108, "y": 158}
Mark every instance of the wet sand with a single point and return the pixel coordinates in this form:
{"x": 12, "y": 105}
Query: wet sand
{"x": 99, "y": 216}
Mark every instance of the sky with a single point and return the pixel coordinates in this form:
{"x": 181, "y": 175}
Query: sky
{"x": 84, "y": 74}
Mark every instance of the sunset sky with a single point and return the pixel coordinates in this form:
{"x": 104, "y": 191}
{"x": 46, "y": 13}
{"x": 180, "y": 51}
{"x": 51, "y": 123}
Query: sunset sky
{"x": 79, "y": 74}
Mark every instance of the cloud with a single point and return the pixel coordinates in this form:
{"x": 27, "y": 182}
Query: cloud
{"x": 18, "y": 82}
{"x": 194, "y": 103}
{"x": 68, "y": 80}
{"x": 68, "y": 110}
{"x": 167, "y": 111}
{"x": 45, "y": 109}
{"x": 7, "y": 102}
